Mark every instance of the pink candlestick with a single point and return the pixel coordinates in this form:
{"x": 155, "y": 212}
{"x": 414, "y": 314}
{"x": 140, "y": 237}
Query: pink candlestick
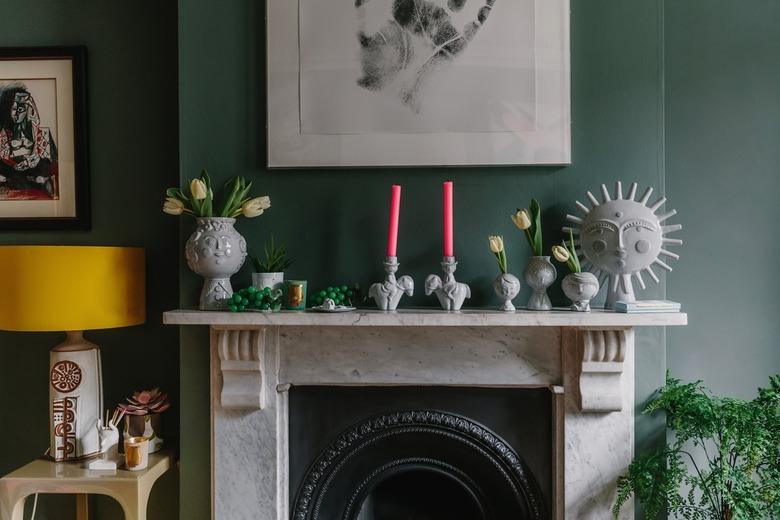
{"x": 392, "y": 230}
{"x": 448, "y": 219}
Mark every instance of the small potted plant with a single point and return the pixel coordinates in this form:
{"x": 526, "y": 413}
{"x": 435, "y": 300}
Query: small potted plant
{"x": 216, "y": 251}
{"x": 507, "y": 286}
{"x": 142, "y": 416}
{"x": 269, "y": 272}
{"x": 539, "y": 273}
{"x": 578, "y": 287}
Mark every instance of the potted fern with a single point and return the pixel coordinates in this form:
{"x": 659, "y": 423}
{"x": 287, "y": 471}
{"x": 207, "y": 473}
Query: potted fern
{"x": 269, "y": 271}
{"x": 725, "y": 455}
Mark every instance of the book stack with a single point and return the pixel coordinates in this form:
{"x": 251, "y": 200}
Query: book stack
{"x": 647, "y": 306}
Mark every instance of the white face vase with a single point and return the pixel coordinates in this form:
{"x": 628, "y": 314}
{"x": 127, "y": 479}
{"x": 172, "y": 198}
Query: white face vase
{"x": 622, "y": 238}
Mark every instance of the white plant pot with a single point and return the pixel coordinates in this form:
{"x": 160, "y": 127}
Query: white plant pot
{"x": 270, "y": 280}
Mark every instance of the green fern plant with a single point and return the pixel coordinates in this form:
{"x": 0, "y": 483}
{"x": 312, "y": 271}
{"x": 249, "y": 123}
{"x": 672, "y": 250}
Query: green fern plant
{"x": 725, "y": 452}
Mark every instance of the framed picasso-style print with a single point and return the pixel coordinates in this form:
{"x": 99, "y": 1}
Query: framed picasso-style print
{"x": 44, "y": 178}
{"x": 418, "y": 83}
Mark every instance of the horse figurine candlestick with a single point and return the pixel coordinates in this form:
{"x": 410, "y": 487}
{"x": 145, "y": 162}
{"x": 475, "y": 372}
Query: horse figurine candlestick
{"x": 451, "y": 293}
{"x": 387, "y": 294}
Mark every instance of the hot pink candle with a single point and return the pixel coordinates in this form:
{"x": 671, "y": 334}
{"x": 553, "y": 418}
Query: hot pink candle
{"x": 392, "y": 230}
{"x": 448, "y": 220}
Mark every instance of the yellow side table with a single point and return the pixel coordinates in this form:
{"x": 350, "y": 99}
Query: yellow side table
{"x": 130, "y": 488}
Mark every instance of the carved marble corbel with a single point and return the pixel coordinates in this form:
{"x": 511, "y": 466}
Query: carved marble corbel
{"x": 603, "y": 357}
{"x": 241, "y": 354}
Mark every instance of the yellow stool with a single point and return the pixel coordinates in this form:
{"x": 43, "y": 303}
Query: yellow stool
{"x": 130, "y": 488}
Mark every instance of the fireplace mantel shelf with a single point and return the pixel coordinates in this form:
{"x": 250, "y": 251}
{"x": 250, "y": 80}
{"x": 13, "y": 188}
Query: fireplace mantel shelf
{"x": 424, "y": 318}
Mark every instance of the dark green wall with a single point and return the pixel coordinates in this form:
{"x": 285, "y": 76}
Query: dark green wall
{"x": 133, "y": 153}
{"x": 617, "y": 134}
{"x": 723, "y": 168}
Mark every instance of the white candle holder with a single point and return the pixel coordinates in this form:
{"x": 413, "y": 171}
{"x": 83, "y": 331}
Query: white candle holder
{"x": 387, "y": 294}
{"x": 450, "y": 292}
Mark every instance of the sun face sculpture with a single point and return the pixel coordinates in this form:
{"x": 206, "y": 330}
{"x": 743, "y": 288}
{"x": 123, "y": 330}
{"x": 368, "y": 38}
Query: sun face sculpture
{"x": 622, "y": 238}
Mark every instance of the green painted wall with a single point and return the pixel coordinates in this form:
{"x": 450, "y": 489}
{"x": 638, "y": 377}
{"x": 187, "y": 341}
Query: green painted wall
{"x": 723, "y": 169}
{"x": 617, "y": 134}
{"x": 133, "y": 153}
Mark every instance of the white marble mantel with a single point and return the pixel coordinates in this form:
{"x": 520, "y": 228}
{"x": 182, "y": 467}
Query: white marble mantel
{"x": 257, "y": 356}
{"x": 425, "y": 318}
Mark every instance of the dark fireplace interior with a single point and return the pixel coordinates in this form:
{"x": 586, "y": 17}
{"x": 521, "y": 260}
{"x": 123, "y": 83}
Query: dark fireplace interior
{"x": 421, "y": 453}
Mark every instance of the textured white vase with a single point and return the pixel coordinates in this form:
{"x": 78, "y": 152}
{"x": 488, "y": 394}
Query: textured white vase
{"x": 270, "y": 280}
{"x": 216, "y": 251}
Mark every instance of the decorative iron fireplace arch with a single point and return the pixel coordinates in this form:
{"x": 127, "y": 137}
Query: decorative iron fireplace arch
{"x": 460, "y": 464}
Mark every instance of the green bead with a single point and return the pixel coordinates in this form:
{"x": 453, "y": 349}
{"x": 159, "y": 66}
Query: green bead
{"x": 232, "y": 308}
{"x": 350, "y": 293}
{"x": 323, "y": 293}
{"x": 344, "y": 288}
{"x": 331, "y": 295}
{"x": 265, "y": 306}
{"x": 329, "y": 289}
{"x": 237, "y": 298}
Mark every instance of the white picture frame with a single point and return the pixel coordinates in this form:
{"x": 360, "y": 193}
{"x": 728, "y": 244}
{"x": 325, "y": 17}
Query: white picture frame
{"x": 303, "y": 99}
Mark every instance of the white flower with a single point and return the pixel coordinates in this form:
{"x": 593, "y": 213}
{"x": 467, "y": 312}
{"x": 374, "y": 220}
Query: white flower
{"x": 561, "y": 254}
{"x": 198, "y": 189}
{"x": 496, "y": 243}
{"x": 255, "y": 207}
{"x": 521, "y": 219}
{"x": 173, "y": 206}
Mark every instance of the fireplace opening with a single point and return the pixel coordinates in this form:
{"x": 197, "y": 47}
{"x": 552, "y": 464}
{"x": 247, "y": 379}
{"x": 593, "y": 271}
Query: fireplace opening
{"x": 421, "y": 453}
{"x": 418, "y": 492}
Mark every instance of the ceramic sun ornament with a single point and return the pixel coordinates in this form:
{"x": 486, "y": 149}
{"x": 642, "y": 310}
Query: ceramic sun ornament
{"x": 622, "y": 238}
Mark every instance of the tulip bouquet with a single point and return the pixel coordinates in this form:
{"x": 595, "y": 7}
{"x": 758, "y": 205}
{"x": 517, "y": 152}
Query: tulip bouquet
{"x": 567, "y": 254}
{"x": 530, "y": 221}
{"x": 200, "y": 201}
{"x": 496, "y": 243}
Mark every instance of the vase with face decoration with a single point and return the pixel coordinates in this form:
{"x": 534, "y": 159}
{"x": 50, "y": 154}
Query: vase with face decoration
{"x": 507, "y": 287}
{"x": 580, "y": 288}
{"x": 216, "y": 251}
{"x": 539, "y": 274}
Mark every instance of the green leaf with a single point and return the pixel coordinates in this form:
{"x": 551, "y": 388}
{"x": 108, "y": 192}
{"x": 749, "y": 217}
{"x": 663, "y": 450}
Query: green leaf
{"x": 536, "y": 227}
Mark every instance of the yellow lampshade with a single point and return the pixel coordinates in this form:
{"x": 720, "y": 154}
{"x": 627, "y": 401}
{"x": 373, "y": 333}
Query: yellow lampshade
{"x": 61, "y": 288}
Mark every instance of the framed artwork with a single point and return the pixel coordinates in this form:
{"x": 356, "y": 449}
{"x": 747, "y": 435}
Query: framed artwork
{"x": 418, "y": 83}
{"x": 44, "y": 180}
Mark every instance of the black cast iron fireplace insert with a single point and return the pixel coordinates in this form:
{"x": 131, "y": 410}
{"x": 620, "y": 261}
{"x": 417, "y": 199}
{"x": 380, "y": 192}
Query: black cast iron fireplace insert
{"x": 420, "y": 453}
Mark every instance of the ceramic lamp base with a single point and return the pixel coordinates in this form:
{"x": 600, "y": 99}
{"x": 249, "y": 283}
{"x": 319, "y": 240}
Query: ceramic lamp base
{"x": 75, "y": 399}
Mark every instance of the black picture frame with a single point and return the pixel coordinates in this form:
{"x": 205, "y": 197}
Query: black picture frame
{"x": 81, "y": 220}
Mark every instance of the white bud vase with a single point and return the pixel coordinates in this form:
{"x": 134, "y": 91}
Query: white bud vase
{"x": 539, "y": 274}
{"x": 580, "y": 288}
{"x": 507, "y": 287}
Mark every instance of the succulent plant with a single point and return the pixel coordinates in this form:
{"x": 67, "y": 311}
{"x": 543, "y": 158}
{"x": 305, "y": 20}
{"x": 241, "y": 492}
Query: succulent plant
{"x": 146, "y": 402}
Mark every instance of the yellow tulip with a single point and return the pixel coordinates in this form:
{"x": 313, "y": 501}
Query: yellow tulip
{"x": 496, "y": 243}
{"x": 173, "y": 206}
{"x": 522, "y": 220}
{"x": 198, "y": 189}
{"x": 561, "y": 254}
{"x": 255, "y": 207}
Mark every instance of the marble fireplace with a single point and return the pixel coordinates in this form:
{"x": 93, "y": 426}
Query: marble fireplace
{"x": 358, "y": 416}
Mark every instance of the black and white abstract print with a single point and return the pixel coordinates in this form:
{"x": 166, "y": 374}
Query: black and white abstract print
{"x": 404, "y": 42}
